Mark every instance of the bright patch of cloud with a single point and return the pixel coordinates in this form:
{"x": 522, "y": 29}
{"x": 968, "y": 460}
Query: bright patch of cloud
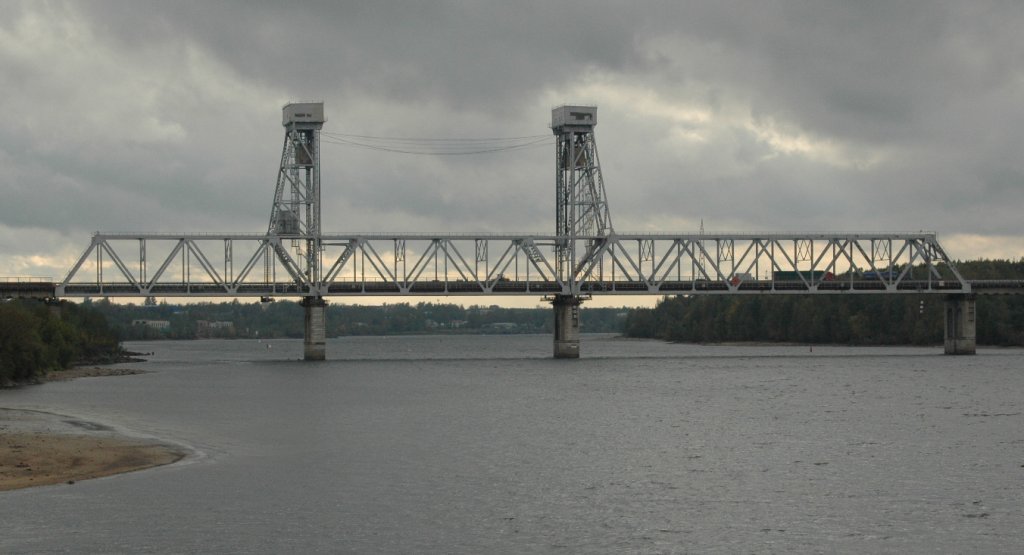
{"x": 36, "y": 252}
{"x": 830, "y": 152}
{"x": 973, "y": 247}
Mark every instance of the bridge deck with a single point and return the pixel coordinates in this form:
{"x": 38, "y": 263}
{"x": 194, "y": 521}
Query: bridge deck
{"x": 27, "y": 290}
{"x": 516, "y": 288}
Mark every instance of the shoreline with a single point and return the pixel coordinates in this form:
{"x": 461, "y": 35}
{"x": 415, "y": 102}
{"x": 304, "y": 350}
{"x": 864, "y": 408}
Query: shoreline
{"x": 76, "y": 372}
{"x": 42, "y": 448}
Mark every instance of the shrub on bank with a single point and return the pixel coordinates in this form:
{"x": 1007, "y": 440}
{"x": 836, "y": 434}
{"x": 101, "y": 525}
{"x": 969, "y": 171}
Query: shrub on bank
{"x": 34, "y": 340}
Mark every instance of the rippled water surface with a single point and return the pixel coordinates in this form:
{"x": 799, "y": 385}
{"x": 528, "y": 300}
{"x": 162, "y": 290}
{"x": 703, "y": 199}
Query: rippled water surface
{"x": 483, "y": 444}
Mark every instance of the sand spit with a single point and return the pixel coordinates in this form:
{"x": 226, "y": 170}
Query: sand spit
{"x": 41, "y": 448}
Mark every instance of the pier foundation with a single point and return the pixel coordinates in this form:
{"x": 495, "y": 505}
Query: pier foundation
{"x": 314, "y": 344}
{"x": 960, "y": 325}
{"x": 567, "y": 326}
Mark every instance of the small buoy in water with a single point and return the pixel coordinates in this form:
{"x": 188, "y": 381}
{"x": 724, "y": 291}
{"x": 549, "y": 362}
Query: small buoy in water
{"x": 811, "y": 349}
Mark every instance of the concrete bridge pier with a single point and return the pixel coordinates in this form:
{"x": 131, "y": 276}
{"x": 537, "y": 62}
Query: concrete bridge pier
{"x": 567, "y": 326}
{"x": 960, "y": 325}
{"x": 314, "y": 344}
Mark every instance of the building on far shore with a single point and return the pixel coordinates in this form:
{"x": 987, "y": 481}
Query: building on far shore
{"x": 504, "y": 327}
{"x": 162, "y": 325}
{"x": 206, "y": 328}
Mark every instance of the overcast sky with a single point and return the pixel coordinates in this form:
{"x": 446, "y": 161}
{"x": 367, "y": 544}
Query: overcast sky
{"x": 761, "y": 115}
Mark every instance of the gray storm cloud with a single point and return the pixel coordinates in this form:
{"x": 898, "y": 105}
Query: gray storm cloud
{"x": 777, "y": 116}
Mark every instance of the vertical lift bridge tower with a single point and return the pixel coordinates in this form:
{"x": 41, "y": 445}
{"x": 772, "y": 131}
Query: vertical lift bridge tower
{"x": 582, "y": 222}
{"x": 295, "y": 214}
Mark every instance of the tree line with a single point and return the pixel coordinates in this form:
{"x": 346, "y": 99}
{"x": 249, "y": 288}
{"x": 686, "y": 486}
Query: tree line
{"x": 853, "y": 319}
{"x": 284, "y": 318}
{"x": 36, "y": 338}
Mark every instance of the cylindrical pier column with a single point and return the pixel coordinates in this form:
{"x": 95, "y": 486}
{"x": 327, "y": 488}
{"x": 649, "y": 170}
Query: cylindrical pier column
{"x": 960, "y": 325}
{"x": 567, "y": 326}
{"x": 314, "y": 344}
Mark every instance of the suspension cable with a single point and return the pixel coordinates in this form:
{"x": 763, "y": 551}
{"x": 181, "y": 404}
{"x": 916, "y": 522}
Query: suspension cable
{"x": 437, "y": 146}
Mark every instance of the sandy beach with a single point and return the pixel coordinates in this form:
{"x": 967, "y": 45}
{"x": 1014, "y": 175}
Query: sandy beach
{"x": 41, "y": 448}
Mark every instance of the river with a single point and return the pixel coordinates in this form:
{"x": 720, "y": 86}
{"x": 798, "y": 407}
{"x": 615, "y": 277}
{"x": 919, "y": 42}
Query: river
{"x": 484, "y": 444}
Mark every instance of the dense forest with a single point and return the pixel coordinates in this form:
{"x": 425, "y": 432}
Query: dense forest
{"x": 36, "y": 338}
{"x": 854, "y": 319}
{"x": 284, "y": 318}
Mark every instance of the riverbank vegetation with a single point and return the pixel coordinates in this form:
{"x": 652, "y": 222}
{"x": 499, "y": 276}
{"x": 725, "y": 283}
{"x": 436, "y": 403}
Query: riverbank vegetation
{"x": 284, "y": 318}
{"x": 36, "y": 338}
{"x": 853, "y": 320}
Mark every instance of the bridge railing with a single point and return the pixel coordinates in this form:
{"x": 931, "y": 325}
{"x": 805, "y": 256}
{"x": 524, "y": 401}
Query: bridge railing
{"x": 25, "y": 279}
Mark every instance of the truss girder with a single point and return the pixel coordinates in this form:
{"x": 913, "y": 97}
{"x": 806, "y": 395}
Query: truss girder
{"x": 513, "y": 264}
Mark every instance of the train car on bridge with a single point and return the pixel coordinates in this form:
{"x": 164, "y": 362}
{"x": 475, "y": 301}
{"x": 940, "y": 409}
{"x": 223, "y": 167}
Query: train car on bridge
{"x": 814, "y": 276}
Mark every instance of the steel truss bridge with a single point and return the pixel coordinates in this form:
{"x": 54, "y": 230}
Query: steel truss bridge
{"x": 584, "y": 257}
{"x": 191, "y": 265}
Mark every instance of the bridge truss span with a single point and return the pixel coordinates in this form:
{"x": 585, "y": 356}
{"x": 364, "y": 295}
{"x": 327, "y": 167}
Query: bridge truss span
{"x": 583, "y": 257}
{"x": 239, "y": 265}
{"x": 411, "y": 264}
{"x": 809, "y": 263}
